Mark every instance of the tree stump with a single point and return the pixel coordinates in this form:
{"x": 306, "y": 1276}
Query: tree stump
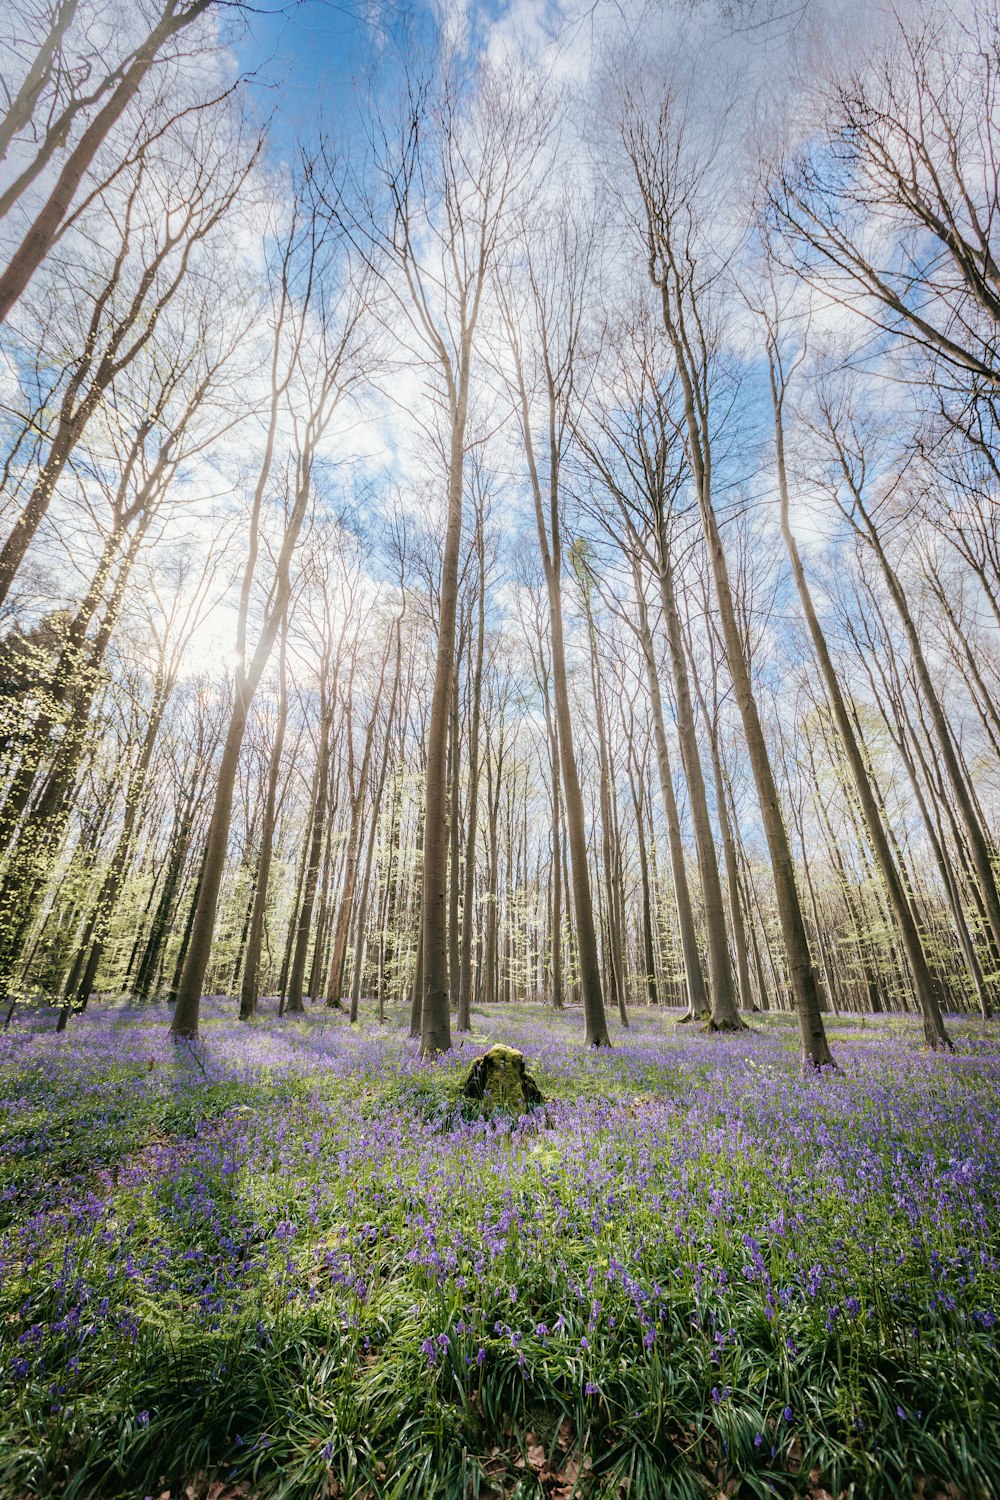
{"x": 500, "y": 1081}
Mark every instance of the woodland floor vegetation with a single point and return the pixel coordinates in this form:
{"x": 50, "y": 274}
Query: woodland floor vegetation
{"x": 289, "y": 1260}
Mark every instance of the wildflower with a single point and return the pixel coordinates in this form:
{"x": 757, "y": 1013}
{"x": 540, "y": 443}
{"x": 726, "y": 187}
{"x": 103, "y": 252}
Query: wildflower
{"x": 590, "y": 1389}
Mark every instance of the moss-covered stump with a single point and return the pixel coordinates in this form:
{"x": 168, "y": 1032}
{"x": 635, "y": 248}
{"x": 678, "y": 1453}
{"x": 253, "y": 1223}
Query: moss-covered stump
{"x": 499, "y": 1079}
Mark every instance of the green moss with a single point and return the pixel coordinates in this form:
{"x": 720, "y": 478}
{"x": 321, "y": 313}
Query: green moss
{"x": 499, "y": 1079}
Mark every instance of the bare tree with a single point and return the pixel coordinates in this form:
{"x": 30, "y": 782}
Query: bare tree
{"x": 544, "y": 338}
{"x": 317, "y": 311}
{"x": 668, "y": 178}
{"x": 51, "y": 84}
{"x": 448, "y": 181}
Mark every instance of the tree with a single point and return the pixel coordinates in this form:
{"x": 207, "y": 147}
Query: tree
{"x": 448, "y": 182}
{"x": 112, "y": 89}
{"x": 159, "y": 227}
{"x": 556, "y": 271}
{"x": 667, "y": 179}
{"x": 317, "y": 307}
{"x": 636, "y": 453}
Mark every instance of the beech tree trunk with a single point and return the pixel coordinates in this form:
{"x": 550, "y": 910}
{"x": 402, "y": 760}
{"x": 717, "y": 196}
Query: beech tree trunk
{"x": 724, "y": 1015}
{"x": 694, "y": 981}
{"x": 250, "y": 986}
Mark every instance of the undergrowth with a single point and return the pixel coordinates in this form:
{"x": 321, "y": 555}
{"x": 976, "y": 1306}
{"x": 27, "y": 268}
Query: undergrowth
{"x": 293, "y": 1261}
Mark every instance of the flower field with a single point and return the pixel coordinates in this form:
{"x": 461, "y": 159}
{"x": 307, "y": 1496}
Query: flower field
{"x": 289, "y": 1262}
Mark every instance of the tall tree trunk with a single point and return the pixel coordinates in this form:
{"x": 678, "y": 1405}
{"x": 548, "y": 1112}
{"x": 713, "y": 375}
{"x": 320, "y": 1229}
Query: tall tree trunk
{"x": 697, "y": 998}
{"x": 588, "y": 959}
{"x": 318, "y": 821}
{"x": 373, "y": 829}
{"x": 335, "y": 978}
{"x": 934, "y": 1031}
{"x": 435, "y": 1020}
{"x": 472, "y": 820}
{"x": 724, "y": 1015}
{"x": 815, "y": 1048}
{"x": 250, "y": 987}
{"x": 454, "y": 844}
{"x": 648, "y": 954}
{"x": 616, "y": 964}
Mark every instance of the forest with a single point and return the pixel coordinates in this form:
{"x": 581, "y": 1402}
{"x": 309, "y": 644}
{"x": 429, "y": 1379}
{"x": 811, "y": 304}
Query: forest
{"x": 499, "y": 749}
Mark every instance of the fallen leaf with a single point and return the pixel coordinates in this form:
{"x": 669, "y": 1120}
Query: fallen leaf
{"x": 536, "y": 1453}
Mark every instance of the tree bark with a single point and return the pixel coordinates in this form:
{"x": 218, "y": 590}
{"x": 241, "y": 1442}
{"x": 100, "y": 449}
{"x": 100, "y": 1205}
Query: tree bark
{"x": 250, "y": 987}
{"x": 697, "y": 998}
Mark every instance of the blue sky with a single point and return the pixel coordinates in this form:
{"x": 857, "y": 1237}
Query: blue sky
{"x": 305, "y": 56}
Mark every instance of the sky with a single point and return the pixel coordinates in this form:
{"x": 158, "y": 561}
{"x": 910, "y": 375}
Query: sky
{"x": 306, "y": 57}
{"x": 309, "y": 59}
{"x": 307, "y": 48}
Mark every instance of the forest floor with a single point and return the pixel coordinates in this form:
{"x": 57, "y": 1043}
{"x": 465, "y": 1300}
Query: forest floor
{"x": 287, "y": 1262}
